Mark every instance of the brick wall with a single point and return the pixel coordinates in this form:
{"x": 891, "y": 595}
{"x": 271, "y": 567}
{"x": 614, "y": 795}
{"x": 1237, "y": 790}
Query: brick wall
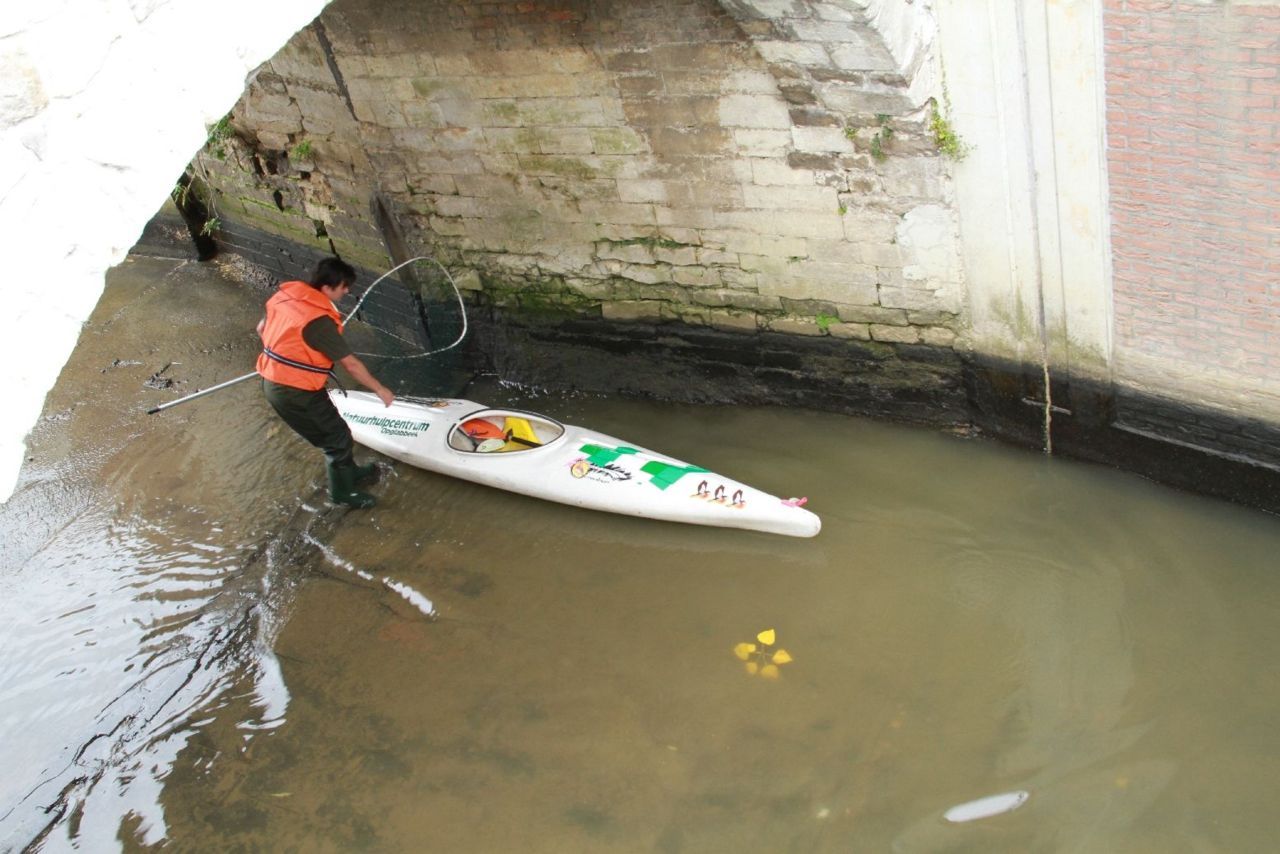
{"x": 1193, "y": 124}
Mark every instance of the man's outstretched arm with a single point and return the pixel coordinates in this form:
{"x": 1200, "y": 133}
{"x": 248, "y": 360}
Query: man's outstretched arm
{"x": 361, "y": 374}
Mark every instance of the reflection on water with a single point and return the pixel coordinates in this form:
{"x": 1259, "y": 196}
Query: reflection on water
{"x": 117, "y": 640}
{"x": 462, "y": 669}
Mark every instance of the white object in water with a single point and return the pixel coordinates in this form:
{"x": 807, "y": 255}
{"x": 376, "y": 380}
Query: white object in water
{"x": 986, "y": 807}
{"x": 537, "y": 456}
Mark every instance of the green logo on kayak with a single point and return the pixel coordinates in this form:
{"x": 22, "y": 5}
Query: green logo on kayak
{"x": 661, "y": 475}
{"x": 390, "y": 426}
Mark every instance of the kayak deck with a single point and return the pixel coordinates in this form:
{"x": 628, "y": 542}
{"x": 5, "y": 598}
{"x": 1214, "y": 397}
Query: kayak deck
{"x": 535, "y": 455}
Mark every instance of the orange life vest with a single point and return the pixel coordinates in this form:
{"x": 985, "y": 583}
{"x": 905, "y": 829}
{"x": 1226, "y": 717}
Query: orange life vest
{"x": 286, "y": 359}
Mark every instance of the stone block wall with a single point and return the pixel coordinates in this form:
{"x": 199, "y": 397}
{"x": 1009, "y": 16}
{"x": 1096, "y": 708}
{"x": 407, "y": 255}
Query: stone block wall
{"x": 639, "y": 162}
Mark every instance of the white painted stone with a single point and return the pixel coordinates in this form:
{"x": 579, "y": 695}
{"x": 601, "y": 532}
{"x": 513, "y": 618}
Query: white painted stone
{"x": 866, "y": 97}
{"x": 930, "y": 250}
{"x": 1030, "y": 109}
{"x": 104, "y": 99}
{"x": 908, "y": 29}
{"x": 799, "y": 53}
{"x": 826, "y": 32}
{"x": 21, "y": 90}
{"x": 834, "y": 12}
{"x": 773, "y": 8}
{"x": 861, "y": 56}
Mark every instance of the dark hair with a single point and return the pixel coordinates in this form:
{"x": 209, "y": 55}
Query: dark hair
{"x": 333, "y": 271}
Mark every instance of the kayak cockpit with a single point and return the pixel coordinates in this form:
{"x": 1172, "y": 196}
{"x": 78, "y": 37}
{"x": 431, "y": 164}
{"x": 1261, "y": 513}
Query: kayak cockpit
{"x": 503, "y": 431}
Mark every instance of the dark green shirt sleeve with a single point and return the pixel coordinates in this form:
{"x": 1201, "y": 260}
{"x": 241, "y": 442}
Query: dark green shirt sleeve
{"x": 322, "y": 334}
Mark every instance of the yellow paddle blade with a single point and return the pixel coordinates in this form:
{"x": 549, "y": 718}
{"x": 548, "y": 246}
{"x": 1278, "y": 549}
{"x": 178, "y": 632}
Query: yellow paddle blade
{"x": 782, "y": 657}
{"x": 767, "y": 637}
{"x": 769, "y": 671}
{"x": 744, "y": 650}
{"x": 752, "y": 667}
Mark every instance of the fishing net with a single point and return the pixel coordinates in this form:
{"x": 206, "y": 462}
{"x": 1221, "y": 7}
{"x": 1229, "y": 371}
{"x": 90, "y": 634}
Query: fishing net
{"x": 407, "y": 325}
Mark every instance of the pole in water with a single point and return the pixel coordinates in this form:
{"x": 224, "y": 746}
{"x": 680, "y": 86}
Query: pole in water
{"x": 210, "y": 390}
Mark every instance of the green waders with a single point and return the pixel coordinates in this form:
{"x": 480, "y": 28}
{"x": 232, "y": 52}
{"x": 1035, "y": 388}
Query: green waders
{"x": 314, "y": 417}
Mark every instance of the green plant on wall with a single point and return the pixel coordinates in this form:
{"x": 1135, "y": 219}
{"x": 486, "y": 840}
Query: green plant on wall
{"x": 301, "y": 151}
{"x": 879, "y": 140}
{"x": 824, "y": 321}
{"x": 195, "y": 186}
{"x": 651, "y": 242}
{"x": 883, "y": 134}
{"x": 945, "y": 137}
{"x": 219, "y": 133}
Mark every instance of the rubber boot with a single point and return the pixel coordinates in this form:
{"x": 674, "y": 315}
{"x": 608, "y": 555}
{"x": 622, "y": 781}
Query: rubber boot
{"x": 367, "y": 473}
{"x": 342, "y": 487}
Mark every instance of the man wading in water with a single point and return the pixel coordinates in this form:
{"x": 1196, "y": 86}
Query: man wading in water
{"x": 301, "y": 339}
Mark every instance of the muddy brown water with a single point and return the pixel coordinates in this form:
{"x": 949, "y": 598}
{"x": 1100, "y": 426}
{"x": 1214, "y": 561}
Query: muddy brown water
{"x": 198, "y": 653}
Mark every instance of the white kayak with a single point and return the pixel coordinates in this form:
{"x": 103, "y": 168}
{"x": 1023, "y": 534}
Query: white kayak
{"x": 538, "y": 456}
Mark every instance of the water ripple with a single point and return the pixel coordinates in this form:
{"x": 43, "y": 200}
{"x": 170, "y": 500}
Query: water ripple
{"x": 129, "y": 636}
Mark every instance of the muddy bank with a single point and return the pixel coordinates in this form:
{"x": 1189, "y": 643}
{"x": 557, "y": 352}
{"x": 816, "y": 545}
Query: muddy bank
{"x": 138, "y": 553}
{"x": 164, "y": 327}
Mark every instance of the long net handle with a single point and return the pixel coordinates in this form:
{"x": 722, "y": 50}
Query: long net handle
{"x": 211, "y": 390}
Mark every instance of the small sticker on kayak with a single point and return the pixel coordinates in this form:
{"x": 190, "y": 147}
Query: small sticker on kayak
{"x": 391, "y": 426}
{"x": 607, "y": 473}
{"x": 704, "y": 493}
{"x": 661, "y": 474}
